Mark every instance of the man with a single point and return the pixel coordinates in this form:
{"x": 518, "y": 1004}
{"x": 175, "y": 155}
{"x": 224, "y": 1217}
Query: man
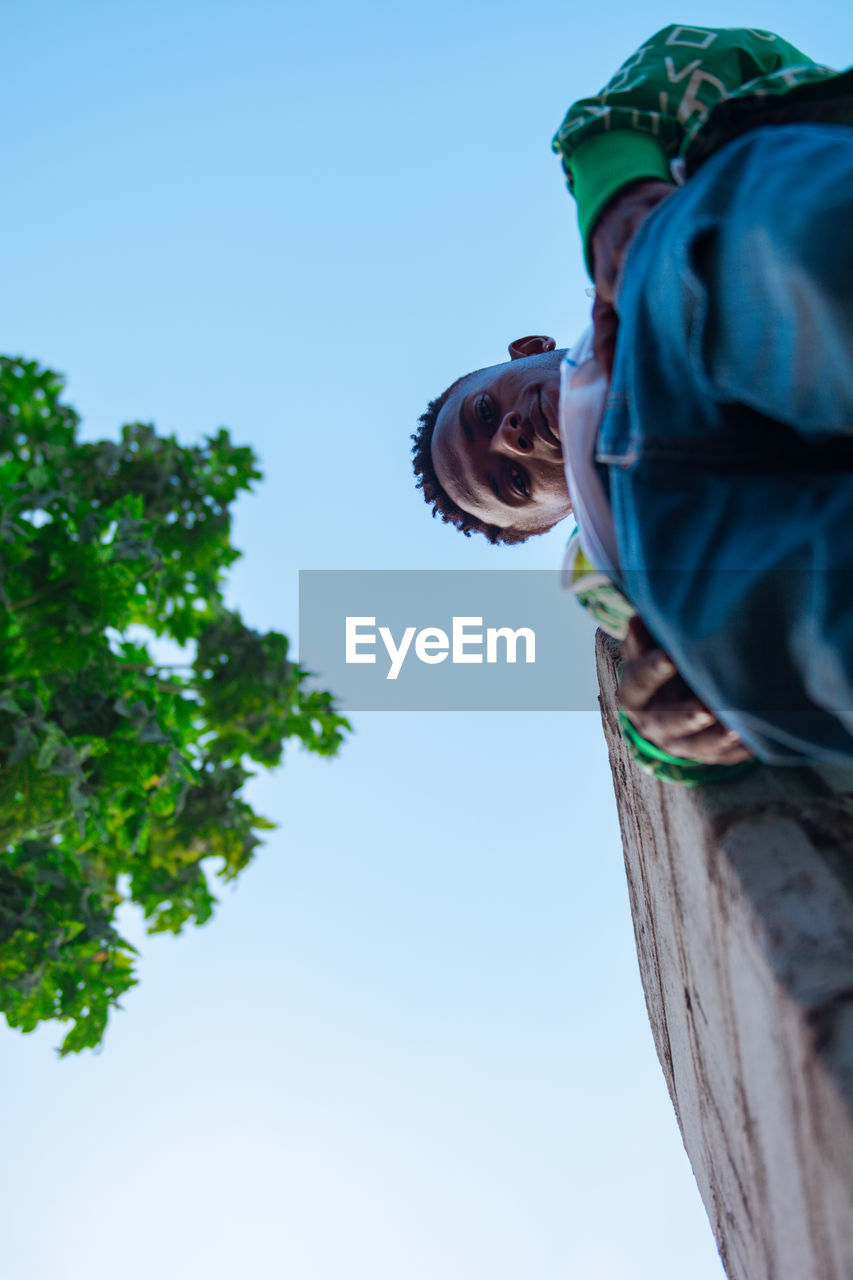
{"x": 713, "y": 433}
{"x": 507, "y": 480}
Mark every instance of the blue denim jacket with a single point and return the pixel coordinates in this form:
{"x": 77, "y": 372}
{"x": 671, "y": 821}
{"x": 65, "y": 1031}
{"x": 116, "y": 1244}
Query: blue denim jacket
{"x": 727, "y": 443}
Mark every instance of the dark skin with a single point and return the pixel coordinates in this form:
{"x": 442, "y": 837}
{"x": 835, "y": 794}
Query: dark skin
{"x": 496, "y": 445}
{"x": 611, "y": 239}
{"x": 664, "y": 710}
{"x": 496, "y": 452}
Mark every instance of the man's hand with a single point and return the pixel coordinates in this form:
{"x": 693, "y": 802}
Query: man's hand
{"x": 664, "y": 710}
{"x": 611, "y": 239}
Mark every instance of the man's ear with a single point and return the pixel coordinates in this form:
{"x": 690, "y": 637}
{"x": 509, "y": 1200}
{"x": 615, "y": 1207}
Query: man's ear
{"x": 535, "y": 344}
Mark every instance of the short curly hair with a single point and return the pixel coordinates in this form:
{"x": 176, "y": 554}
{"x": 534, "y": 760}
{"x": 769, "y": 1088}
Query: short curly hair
{"x": 434, "y": 495}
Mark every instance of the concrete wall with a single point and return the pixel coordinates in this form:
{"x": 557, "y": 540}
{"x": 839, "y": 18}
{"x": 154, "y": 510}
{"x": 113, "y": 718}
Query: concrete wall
{"x": 742, "y": 900}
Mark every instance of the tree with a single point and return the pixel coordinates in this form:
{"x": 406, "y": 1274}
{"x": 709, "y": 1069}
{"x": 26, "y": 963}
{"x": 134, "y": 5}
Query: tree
{"x": 121, "y": 776}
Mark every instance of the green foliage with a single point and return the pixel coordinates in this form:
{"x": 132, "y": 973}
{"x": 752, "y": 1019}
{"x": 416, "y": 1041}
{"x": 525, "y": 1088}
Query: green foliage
{"x": 121, "y": 778}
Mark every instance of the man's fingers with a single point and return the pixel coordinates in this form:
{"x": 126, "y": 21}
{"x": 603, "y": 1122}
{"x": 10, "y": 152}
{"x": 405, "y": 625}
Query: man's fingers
{"x": 668, "y": 722}
{"x": 664, "y": 711}
{"x": 643, "y": 678}
{"x": 688, "y": 730}
{"x": 716, "y": 745}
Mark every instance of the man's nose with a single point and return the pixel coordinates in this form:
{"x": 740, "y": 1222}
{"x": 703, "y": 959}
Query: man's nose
{"x": 513, "y": 435}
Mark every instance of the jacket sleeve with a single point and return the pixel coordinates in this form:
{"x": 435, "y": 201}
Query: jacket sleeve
{"x": 643, "y": 117}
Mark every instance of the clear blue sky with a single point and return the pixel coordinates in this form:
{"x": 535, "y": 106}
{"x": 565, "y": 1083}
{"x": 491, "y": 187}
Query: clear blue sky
{"x": 413, "y": 1043}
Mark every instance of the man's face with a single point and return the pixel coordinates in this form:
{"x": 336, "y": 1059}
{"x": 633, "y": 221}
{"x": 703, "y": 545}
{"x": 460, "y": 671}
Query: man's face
{"x": 496, "y": 445}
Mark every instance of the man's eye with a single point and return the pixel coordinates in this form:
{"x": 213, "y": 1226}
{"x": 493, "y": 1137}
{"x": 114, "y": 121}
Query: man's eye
{"x": 518, "y": 480}
{"x": 483, "y": 409}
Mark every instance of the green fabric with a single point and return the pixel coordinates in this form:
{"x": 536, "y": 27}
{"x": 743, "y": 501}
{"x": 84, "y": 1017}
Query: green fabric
{"x": 595, "y": 591}
{"x": 606, "y": 162}
{"x": 668, "y": 91}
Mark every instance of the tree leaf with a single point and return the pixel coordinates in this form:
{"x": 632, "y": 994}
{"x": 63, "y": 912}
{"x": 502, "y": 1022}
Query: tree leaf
{"x": 122, "y": 778}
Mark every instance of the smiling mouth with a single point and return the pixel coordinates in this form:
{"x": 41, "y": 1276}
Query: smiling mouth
{"x": 543, "y": 428}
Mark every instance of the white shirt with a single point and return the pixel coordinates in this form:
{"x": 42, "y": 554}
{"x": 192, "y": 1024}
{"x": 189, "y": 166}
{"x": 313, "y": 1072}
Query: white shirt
{"x": 583, "y": 398}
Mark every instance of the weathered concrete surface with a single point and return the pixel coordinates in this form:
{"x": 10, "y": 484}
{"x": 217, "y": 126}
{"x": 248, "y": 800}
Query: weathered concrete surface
{"x": 742, "y": 900}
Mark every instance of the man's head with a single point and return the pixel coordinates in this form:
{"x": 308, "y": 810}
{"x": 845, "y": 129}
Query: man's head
{"x": 488, "y": 454}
